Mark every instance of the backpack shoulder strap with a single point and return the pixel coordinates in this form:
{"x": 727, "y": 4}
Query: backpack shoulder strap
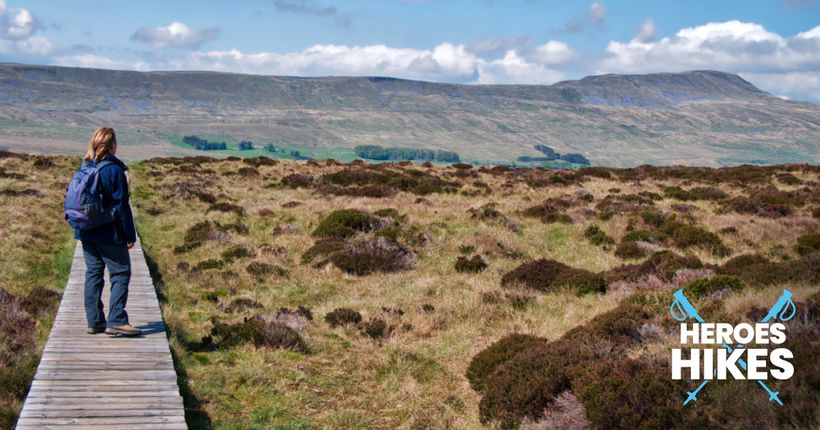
{"x": 103, "y": 163}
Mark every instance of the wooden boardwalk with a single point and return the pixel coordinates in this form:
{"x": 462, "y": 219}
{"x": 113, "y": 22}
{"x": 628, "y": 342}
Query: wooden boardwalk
{"x": 102, "y": 382}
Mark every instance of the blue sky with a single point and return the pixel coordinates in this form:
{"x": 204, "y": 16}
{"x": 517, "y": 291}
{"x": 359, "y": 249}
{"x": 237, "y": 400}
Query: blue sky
{"x": 774, "y": 44}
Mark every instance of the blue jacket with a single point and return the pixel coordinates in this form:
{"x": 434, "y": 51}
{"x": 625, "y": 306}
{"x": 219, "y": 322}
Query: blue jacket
{"x": 115, "y": 194}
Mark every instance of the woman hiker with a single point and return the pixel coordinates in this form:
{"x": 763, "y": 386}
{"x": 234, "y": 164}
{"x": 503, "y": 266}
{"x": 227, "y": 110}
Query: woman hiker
{"x": 107, "y": 245}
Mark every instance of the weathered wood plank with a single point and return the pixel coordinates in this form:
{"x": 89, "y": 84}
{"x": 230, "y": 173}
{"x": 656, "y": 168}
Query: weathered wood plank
{"x": 98, "y": 381}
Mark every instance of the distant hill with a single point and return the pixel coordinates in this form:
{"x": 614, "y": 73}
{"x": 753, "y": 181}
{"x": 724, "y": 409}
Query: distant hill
{"x": 698, "y": 117}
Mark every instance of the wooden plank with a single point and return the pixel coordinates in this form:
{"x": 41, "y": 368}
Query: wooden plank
{"x": 99, "y": 381}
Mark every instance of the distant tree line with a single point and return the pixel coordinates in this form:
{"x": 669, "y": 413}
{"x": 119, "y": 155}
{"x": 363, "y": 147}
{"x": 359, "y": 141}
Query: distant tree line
{"x": 279, "y": 150}
{"x": 375, "y": 152}
{"x": 550, "y": 155}
{"x": 245, "y": 145}
{"x": 202, "y": 144}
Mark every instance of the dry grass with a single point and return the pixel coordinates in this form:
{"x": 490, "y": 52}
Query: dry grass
{"x": 414, "y": 378}
{"x": 35, "y": 254}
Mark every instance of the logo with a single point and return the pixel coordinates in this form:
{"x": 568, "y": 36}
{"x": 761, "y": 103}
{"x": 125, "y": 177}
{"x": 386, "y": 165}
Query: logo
{"x": 715, "y": 359}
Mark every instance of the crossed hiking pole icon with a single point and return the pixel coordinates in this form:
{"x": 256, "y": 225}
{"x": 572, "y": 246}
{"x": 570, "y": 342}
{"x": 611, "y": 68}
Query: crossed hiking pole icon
{"x": 682, "y": 308}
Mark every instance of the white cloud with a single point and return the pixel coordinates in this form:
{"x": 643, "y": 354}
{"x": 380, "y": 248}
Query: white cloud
{"x": 18, "y": 28}
{"x": 446, "y": 62}
{"x": 175, "y": 35}
{"x": 778, "y": 63}
{"x": 731, "y": 46}
{"x": 552, "y": 52}
{"x": 514, "y": 69}
{"x": 646, "y": 32}
{"x": 597, "y": 13}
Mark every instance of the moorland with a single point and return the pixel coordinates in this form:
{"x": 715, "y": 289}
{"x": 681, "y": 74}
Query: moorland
{"x": 317, "y": 294}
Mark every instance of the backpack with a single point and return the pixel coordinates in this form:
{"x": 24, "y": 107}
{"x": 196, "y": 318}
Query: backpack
{"x": 83, "y": 207}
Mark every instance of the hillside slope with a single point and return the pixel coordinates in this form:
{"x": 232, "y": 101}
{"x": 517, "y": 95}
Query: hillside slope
{"x": 699, "y": 117}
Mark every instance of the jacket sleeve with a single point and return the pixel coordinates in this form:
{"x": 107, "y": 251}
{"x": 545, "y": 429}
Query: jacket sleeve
{"x": 117, "y": 184}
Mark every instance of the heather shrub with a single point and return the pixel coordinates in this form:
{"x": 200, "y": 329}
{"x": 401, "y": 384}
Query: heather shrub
{"x": 343, "y": 316}
{"x": 263, "y": 334}
{"x": 323, "y": 248}
{"x": 550, "y": 211}
{"x": 687, "y": 236}
{"x": 471, "y": 265}
{"x": 756, "y": 270}
{"x": 207, "y": 264}
{"x": 788, "y": 179}
{"x": 298, "y": 180}
{"x": 262, "y": 270}
{"x": 344, "y": 223}
{"x": 487, "y": 212}
{"x": 236, "y": 252}
{"x": 248, "y": 172}
{"x": 630, "y": 393}
{"x": 597, "y": 237}
{"x": 697, "y": 193}
{"x": 704, "y": 287}
{"x": 40, "y": 300}
{"x": 377, "y": 328}
{"x": 808, "y": 243}
{"x": 242, "y": 304}
{"x": 487, "y": 361}
{"x": 368, "y": 255}
{"x": 227, "y": 207}
{"x": 663, "y": 264}
{"x": 629, "y": 250}
{"x": 523, "y": 386}
{"x": 550, "y": 275}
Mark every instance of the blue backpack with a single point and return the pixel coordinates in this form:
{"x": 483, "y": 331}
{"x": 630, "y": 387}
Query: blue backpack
{"x": 83, "y": 207}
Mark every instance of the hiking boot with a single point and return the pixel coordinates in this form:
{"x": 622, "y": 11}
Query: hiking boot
{"x": 123, "y": 330}
{"x": 99, "y": 328}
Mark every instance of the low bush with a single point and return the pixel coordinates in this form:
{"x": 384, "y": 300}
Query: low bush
{"x": 236, "y": 252}
{"x": 472, "y": 265}
{"x": 487, "y": 361}
{"x": 663, "y": 264}
{"x": 687, "y": 236}
{"x": 705, "y": 287}
{"x": 263, "y": 334}
{"x": 808, "y": 243}
{"x": 756, "y": 270}
{"x": 597, "y": 237}
{"x": 697, "y": 193}
{"x": 262, "y": 270}
{"x": 242, "y": 304}
{"x": 630, "y": 250}
{"x": 344, "y": 223}
{"x": 227, "y": 207}
{"x": 487, "y": 212}
{"x": 550, "y": 211}
{"x": 343, "y": 316}
{"x": 207, "y": 264}
{"x": 370, "y": 255}
{"x": 630, "y": 393}
{"x": 298, "y": 180}
{"x": 550, "y": 276}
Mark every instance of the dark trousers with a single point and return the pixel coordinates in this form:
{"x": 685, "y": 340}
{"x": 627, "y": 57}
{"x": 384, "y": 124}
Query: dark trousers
{"x": 115, "y": 257}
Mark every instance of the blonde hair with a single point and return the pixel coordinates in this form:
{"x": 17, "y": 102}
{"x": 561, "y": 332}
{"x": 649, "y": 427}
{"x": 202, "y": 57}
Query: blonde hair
{"x": 100, "y": 144}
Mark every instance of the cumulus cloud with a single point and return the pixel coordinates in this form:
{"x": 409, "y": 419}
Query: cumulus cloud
{"x": 305, "y": 8}
{"x": 175, "y": 35}
{"x": 551, "y": 53}
{"x": 18, "y": 28}
{"x": 496, "y": 45}
{"x": 733, "y": 46}
{"x": 514, "y": 69}
{"x": 646, "y": 32}
{"x": 446, "y": 62}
